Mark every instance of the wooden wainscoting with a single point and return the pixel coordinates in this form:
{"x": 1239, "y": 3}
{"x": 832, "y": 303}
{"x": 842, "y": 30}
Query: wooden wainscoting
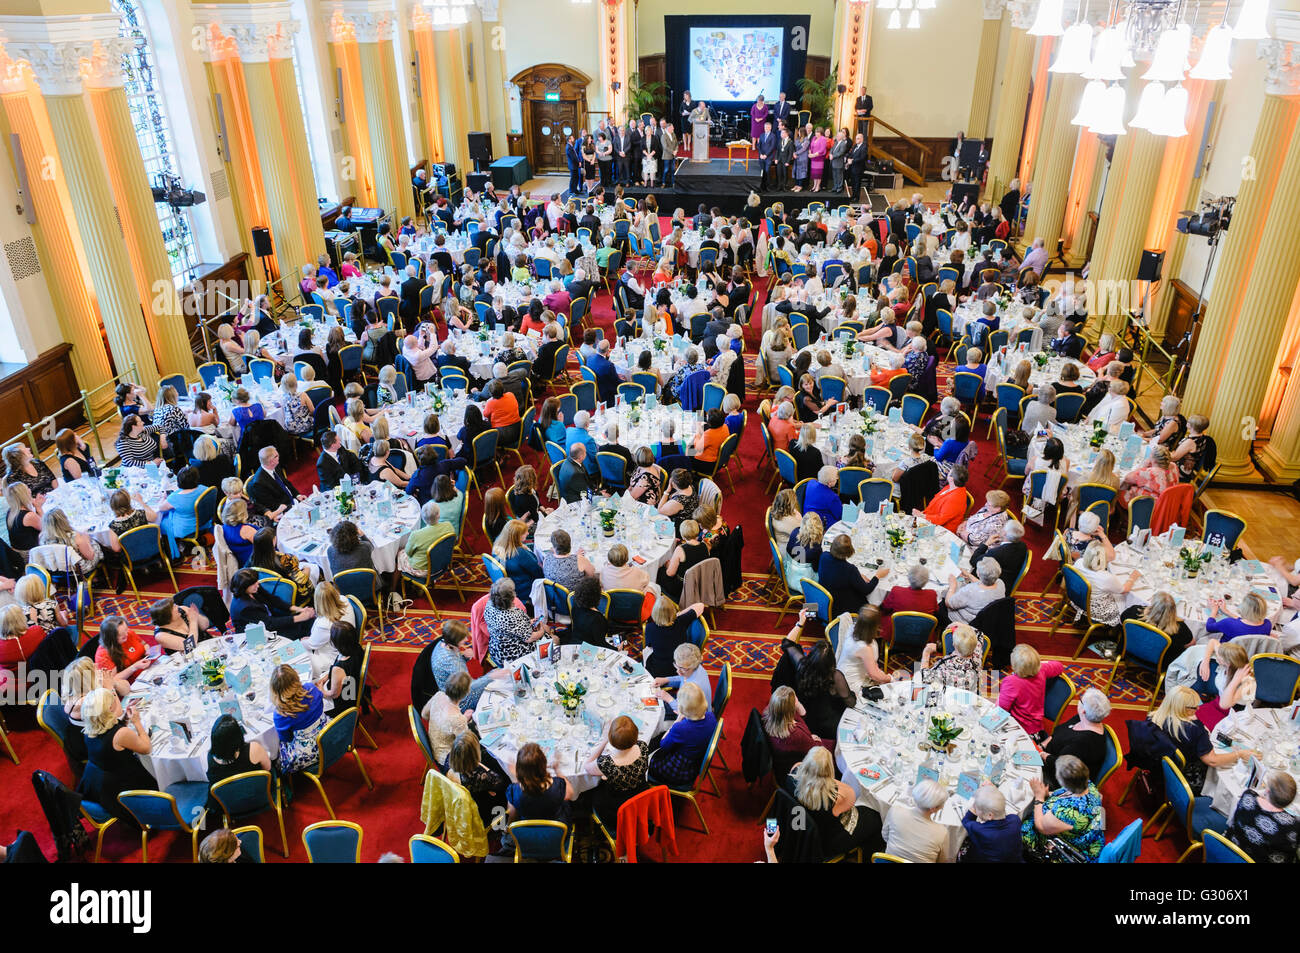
{"x": 28, "y": 395}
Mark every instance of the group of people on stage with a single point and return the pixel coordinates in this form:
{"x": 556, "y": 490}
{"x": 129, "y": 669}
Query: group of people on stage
{"x": 638, "y": 152}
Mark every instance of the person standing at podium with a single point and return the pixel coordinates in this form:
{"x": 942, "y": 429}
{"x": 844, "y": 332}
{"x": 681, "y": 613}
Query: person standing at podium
{"x": 700, "y": 117}
{"x": 767, "y": 144}
{"x": 862, "y": 107}
{"x": 758, "y": 114}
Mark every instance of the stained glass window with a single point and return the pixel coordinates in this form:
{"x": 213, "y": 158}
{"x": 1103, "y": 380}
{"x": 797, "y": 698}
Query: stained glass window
{"x": 154, "y": 135}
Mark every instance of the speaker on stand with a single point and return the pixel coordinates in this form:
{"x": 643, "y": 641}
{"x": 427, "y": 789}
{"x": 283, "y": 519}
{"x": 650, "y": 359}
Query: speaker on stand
{"x": 264, "y": 249}
{"x": 480, "y": 150}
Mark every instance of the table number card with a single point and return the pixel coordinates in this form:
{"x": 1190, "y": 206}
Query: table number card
{"x": 313, "y": 515}
{"x": 926, "y": 772}
{"x": 230, "y": 706}
{"x": 384, "y": 508}
{"x": 895, "y": 415}
{"x": 181, "y": 731}
{"x": 994, "y": 719}
{"x": 151, "y": 470}
{"x": 1126, "y": 430}
{"x": 954, "y": 552}
{"x": 967, "y": 785}
{"x": 255, "y": 635}
{"x": 851, "y": 513}
{"x": 240, "y": 679}
{"x": 1177, "y": 535}
{"x": 1027, "y": 758}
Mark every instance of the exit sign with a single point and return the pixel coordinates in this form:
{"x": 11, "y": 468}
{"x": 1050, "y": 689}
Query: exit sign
{"x": 552, "y": 97}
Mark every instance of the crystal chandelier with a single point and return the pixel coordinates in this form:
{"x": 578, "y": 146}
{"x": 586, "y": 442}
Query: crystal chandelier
{"x": 1155, "y": 31}
{"x": 897, "y": 8}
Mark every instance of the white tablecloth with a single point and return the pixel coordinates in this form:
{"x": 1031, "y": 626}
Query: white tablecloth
{"x": 1010, "y": 319}
{"x": 929, "y": 545}
{"x": 507, "y": 721}
{"x": 481, "y": 348}
{"x": 310, "y": 542}
{"x": 275, "y": 343}
{"x": 644, "y": 427}
{"x": 857, "y": 366}
{"x": 888, "y": 737}
{"x": 1041, "y": 374}
{"x": 638, "y": 528}
{"x": 164, "y": 699}
{"x": 1266, "y": 730}
{"x": 85, "y": 501}
{"x": 406, "y": 417}
{"x": 886, "y": 444}
{"x": 1082, "y": 455}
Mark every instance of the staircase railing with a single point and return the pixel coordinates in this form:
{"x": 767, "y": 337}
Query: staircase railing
{"x": 916, "y": 175}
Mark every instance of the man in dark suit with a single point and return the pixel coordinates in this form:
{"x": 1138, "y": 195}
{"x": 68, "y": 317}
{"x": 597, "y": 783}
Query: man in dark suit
{"x": 573, "y": 157}
{"x": 897, "y": 216}
{"x": 862, "y": 107}
{"x": 269, "y": 489}
{"x": 1067, "y": 342}
{"x": 635, "y": 149}
{"x": 782, "y": 110}
{"x": 857, "y": 164}
{"x": 767, "y": 153}
{"x": 572, "y": 477}
{"x": 335, "y": 461}
{"x": 784, "y": 160}
{"x": 409, "y": 307}
{"x": 580, "y": 286}
{"x": 447, "y": 357}
{"x": 622, "y": 155}
{"x": 1006, "y": 547}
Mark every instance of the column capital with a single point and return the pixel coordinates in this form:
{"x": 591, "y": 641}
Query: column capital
{"x": 489, "y": 10}
{"x": 257, "y": 32}
{"x": 1022, "y": 13}
{"x": 12, "y": 77}
{"x": 993, "y": 9}
{"x": 61, "y": 49}
{"x": 366, "y": 21}
{"x": 104, "y": 68}
{"x": 1282, "y": 62}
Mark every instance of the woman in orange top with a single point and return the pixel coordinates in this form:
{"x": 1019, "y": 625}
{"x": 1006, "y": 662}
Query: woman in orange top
{"x": 502, "y": 407}
{"x": 948, "y": 508}
{"x": 881, "y": 376}
{"x": 120, "y": 650}
{"x": 709, "y": 440}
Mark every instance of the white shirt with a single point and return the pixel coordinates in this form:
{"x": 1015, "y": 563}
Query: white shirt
{"x": 1112, "y": 411}
{"x": 960, "y": 240}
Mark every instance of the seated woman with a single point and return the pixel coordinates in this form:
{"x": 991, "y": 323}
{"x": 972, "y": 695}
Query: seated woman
{"x": 1234, "y": 683}
{"x": 680, "y": 755}
{"x": 518, "y": 559}
{"x": 1088, "y": 532}
{"x": 237, "y": 532}
{"x": 1021, "y": 693}
{"x": 916, "y": 596}
{"x": 536, "y": 794}
{"x": 522, "y": 497}
{"x": 131, "y": 399}
{"x": 1262, "y": 826}
{"x": 179, "y": 511}
{"x": 859, "y": 653}
{"x": 250, "y": 604}
{"x": 174, "y": 623}
{"x": 961, "y": 667}
{"x": 987, "y": 521}
{"x": 432, "y": 434}
{"x": 139, "y": 444}
{"x": 842, "y": 824}
{"x": 1170, "y": 425}
{"x": 822, "y": 688}
{"x": 383, "y": 469}
{"x": 687, "y": 662}
{"x": 689, "y": 553}
{"x": 298, "y": 408}
{"x": 1252, "y": 620}
{"x": 1041, "y": 412}
{"x": 964, "y": 601}
{"x": 114, "y": 742}
{"x": 229, "y": 754}
{"x": 666, "y": 629}
{"x": 330, "y": 607}
{"x": 39, "y": 603}
{"x": 1105, "y": 585}
{"x": 57, "y": 531}
{"x": 266, "y": 556}
{"x": 485, "y": 783}
{"x": 949, "y": 504}
{"x": 620, "y": 760}
{"x": 1082, "y": 736}
{"x": 244, "y": 411}
{"x": 787, "y": 732}
{"x": 992, "y": 835}
{"x": 681, "y": 500}
{"x": 444, "y": 715}
{"x": 912, "y": 833}
{"x": 212, "y": 466}
{"x": 1155, "y": 476}
{"x": 619, "y": 573}
{"x": 121, "y": 652}
{"x": 1179, "y": 727}
{"x": 75, "y": 458}
{"x": 588, "y": 625}
{"x": 299, "y": 717}
{"x": 1102, "y": 472}
{"x": 349, "y": 548}
{"x": 511, "y": 633}
{"x": 451, "y": 502}
{"x": 804, "y": 552}
{"x": 20, "y": 637}
{"x": 1162, "y": 613}
{"x": 1071, "y": 814}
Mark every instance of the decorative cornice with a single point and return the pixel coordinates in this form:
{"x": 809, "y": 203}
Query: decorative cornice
{"x": 993, "y": 9}
{"x": 257, "y": 32}
{"x": 489, "y": 10}
{"x": 1022, "y": 13}
{"x": 366, "y": 21}
{"x": 261, "y": 42}
{"x": 60, "y": 49}
{"x": 104, "y": 68}
{"x": 57, "y": 67}
{"x": 1282, "y": 65}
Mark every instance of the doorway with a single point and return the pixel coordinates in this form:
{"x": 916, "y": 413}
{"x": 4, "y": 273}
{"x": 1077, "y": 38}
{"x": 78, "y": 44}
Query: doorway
{"x": 553, "y": 123}
{"x": 553, "y": 106}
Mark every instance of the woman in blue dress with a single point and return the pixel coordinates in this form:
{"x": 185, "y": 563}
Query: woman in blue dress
{"x": 179, "y": 518}
{"x": 237, "y": 531}
{"x": 521, "y": 563}
{"x": 243, "y": 412}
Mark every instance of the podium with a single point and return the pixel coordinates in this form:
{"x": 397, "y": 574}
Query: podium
{"x": 700, "y": 141}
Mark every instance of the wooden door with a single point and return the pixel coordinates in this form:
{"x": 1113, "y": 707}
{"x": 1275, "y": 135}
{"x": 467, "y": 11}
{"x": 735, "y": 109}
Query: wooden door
{"x": 552, "y": 124}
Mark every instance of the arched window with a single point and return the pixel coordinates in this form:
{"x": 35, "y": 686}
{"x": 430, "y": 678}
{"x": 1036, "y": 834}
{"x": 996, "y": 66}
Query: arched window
{"x": 153, "y": 132}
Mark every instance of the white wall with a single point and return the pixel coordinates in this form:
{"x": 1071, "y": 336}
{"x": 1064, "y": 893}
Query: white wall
{"x": 921, "y": 80}
{"x": 554, "y": 31}
{"x": 27, "y": 322}
{"x": 1240, "y": 110}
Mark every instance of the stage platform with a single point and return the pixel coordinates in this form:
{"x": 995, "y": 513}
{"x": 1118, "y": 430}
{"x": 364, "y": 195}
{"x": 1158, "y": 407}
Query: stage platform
{"x": 714, "y": 185}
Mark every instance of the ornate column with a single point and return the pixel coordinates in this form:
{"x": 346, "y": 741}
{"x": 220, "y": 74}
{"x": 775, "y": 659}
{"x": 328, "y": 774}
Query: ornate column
{"x": 1085, "y": 179}
{"x": 453, "y": 96}
{"x": 1125, "y": 214}
{"x": 1280, "y": 458}
{"x": 1054, "y": 163}
{"x": 1013, "y": 96}
{"x": 1259, "y": 187}
{"x": 56, "y": 61}
{"x": 57, "y": 242}
{"x": 239, "y": 153}
{"x": 613, "y": 56}
{"x": 985, "y": 69}
{"x": 137, "y": 213}
{"x": 426, "y": 67}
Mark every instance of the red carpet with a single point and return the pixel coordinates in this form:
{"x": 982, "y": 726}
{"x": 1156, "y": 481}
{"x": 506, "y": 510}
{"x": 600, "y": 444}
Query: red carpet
{"x": 745, "y": 634}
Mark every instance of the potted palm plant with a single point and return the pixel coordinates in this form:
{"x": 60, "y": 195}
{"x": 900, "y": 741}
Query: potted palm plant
{"x": 643, "y": 97}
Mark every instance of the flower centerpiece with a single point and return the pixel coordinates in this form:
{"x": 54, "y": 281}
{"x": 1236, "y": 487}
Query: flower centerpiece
{"x": 1041, "y": 359}
{"x": 897, "y": 533}
{"x": 1098, "y": 434}
{"x": 1192, "y": 560}
{"x": 439, "y": 402}
{"x": 942, "y": 732}
{"x": 213, "y": 672}
{"x": 660, "y": 345}
{"x": 850, "y": 347}
{"x": 113, "y": 478}
{"x": 870, "y": 420}
{"x": 483, "y": 334}
{"x": 569, "y": 693}
{"x": 607, "y": 517}
{"x": 634, "y": 413}
{"x": 346, "y": 500}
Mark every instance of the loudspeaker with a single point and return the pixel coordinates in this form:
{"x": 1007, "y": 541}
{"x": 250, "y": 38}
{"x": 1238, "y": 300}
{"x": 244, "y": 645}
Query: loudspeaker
{"x": 965, "y": 193}
{"x": 262, "y": 243}
{"x": 1152, "y": 262}
{"x": 476, "y": 181}
{"x": 480, "y": 146}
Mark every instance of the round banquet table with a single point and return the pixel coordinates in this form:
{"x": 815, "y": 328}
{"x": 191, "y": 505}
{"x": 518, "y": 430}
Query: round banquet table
{"x": 1081, "y": 454}
{"x": 1048, "y": 373}
{"x": 833, "y": 304}
{"x": 929, "y": 545}
{"x": 276, "y": 344}
{"x": 507, "y": 721}
{"x": 624, "y": 357}
{"x": 647, "y": 535}
{"x": 1266, "y": 730}
{"x": 886, "y": 441}
{"x": 1161, "y": 571}
{"x": 683, "y": 306}
{"x": 163, "y": 697}
{"x": 310, "y": 542}
{"x": 884, "y": 739}
{"x": 858, "y": 366}
{"x": 644, "y": 427}
{"x": 1010, "y": 319}
{"x": 262, "y": 392}
{"x": 406, "y": 417}
{"x": 85, "y": 500}
{"x": 481, "y": 348}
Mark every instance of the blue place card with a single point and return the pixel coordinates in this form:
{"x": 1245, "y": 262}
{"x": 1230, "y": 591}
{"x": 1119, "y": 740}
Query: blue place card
{"x": 286, "y": 651}
{"x": 230, "y": 706}
{"x": 954, "y": 552}
{"x": 1177, "y": 535}
{"x": 151, "y": 470}
{"x": 384, "y": 508}
{"x": 240, "y": 679}
{"x": 963, "y": 697}
{"x": 994, "y": 768}
{"x": 924, "y": 530}
{"x": 181, "y": 731}
{"x": 1126, "y": 430}
{"x": 1027, "y": 758}
{"x": 587, "y": 652}
{"x": 926, "y": 772}
{"x": 664, "y": 527}
{"x": 522, "y": 676}
{"x": 651, "y": 401}
{"x": 1253, "y": 567}
{"x": 851, "y": 513}
{"x": 994, "y": 719}
{"x": 190, "y": 674}
{"x": 895, "y": 415}
{"x": 313, "y": 515}
{"x": 255, "y": 635}
{"x": 967, "y": 785}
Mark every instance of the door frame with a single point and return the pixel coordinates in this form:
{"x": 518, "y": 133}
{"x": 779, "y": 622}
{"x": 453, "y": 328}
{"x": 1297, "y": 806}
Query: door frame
{"x": 535, "y": 83}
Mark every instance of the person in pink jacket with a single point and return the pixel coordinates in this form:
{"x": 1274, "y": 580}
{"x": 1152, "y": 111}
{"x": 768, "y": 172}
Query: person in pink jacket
{"x": 1021, "y": 694}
